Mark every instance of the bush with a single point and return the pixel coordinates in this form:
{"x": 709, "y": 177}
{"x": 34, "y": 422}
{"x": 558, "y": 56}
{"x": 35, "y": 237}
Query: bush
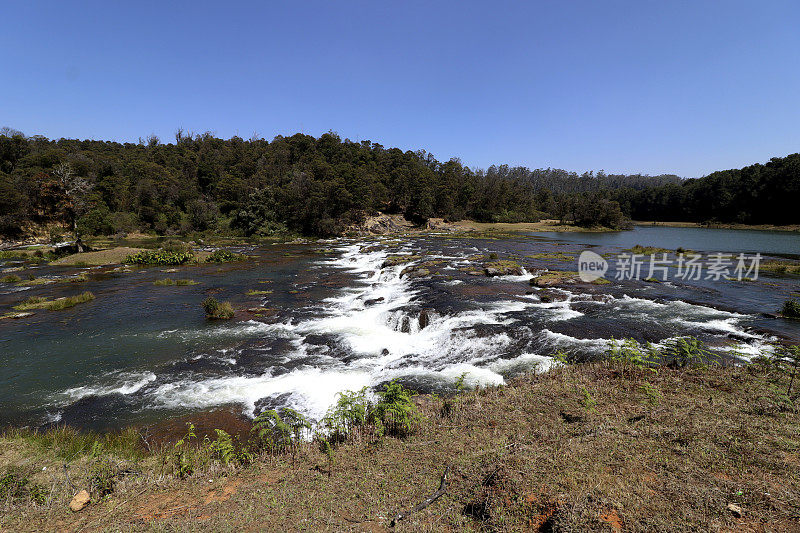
{"x": 275, "y": 432}
{"x": 159, "y": 257}
{"x": 224, "y": 256}
{"x": 395, "y": 413}
{"x": 217, "y": 310}
{"x": 347, "y": 416}
{"x": 791, "y": 309}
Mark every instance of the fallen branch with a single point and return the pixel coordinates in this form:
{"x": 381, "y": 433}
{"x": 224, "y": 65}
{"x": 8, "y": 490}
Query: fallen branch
{"x": 427, "y": 501}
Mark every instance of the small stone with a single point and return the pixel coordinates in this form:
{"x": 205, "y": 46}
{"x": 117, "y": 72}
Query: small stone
{"x": 735, "y": 510}
{"x": 79, "y": 501}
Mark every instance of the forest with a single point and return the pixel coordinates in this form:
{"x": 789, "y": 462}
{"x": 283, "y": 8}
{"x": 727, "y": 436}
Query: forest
{"x": 321, "y": 186}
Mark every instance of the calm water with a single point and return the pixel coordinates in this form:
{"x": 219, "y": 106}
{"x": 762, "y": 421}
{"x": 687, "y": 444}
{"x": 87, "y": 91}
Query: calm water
{"x": 337, "y": 319}
{"x": 784, "y": 243}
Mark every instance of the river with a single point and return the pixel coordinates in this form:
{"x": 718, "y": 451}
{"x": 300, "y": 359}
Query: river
{"x": 337, "y": 319}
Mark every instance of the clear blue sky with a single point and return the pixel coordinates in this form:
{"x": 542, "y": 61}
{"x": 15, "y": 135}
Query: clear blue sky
{"x": 635, "y": 86}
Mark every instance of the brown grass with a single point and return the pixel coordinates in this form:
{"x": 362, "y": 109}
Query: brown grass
{"x": 541, "y": 226}
{"x": 111, "y": 256}
{"x": 664, "y": 451}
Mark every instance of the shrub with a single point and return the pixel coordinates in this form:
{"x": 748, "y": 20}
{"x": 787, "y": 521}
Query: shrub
{"x": 791, "y": 309}
{"x": 279, "y": 432}
{"x": 689, "y": 351}
{"x": 347, "y": 416}
{"x": 217, "y": 310}
{"x": 159, "y": 257}
{"x": 102, "y": 478}
{"x": 224, "y": 256}
{"x": 628, "y": 352}
{"x": 395, "y": 413}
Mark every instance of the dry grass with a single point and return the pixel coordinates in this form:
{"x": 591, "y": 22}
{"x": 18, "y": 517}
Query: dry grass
{"x": 112, "y": 256}
{"x": 585, "y": 447}
{"x": 513, "y": 227}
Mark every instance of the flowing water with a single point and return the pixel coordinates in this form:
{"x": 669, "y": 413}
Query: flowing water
{"x": 337, "y": 319}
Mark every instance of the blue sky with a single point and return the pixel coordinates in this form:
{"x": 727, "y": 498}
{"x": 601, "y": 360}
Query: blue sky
{"x": 635, "y": 86}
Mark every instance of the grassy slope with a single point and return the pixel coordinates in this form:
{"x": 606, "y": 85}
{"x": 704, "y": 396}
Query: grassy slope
{"x": 534, "y": 455}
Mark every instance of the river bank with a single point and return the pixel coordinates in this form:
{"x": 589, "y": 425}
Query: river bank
{"x": 594, "y": 446}
{"x": 719, "y": 225}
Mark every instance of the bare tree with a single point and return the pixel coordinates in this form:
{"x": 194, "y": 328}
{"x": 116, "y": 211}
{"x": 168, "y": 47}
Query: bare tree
{"x": 76, "y": 190}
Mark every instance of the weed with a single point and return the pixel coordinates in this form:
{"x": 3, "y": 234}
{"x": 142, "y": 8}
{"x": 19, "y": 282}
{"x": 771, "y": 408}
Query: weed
{"x": 587, "y": 401}
{"x": 102, "y": 478}
{"x": 217, "y": 310}
{"x": 183, "y": 453}
{"x": 652, "y": 393}
{"x": 16, "y": 487}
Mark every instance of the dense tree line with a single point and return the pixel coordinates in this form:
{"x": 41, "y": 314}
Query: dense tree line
{"x": 316, "y": 186}
{"x": 757, "y": 194}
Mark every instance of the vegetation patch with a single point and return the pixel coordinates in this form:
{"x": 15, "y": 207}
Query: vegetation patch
{"x": 780, "y": 268}
{"x": 256, "y": 292}
{"x": 159, "y": 257}
{"x": 225, "y": 256}
{"x": 217, "y": 310}
{"x": 41, "y": 302}
{"x": 647, "y": 250}
{"x": 503, "y": 267}
{"x": 169, "y": 282}
{"x": 11, "y": 278}
{"x": 791, "y": 309}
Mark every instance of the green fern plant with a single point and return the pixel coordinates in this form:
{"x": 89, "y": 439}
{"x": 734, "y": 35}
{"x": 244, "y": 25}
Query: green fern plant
{"x": 395, "y": 414}
{"x": 279, "y": 432}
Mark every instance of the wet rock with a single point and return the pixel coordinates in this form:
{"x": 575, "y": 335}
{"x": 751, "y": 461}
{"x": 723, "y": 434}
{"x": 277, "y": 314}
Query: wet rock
{"x": 416, "y": 271}
{"x": 548, "y": 296}
{"x": 394, "y": 260}
{"x": 372, "y": 248}
{"x": 405, "y": 326}
{"x": 79, "y": 501}
{"x": 373, "y": 301}
{"x": 424, "y": 319}
{"x": 475, "y": 273}
{"x": 502, "y": 268}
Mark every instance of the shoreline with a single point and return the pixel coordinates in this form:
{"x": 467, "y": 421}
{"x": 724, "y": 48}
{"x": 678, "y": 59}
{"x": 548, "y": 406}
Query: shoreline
{"x": 589, "y": 412}
{"x": 721, "y": 225}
